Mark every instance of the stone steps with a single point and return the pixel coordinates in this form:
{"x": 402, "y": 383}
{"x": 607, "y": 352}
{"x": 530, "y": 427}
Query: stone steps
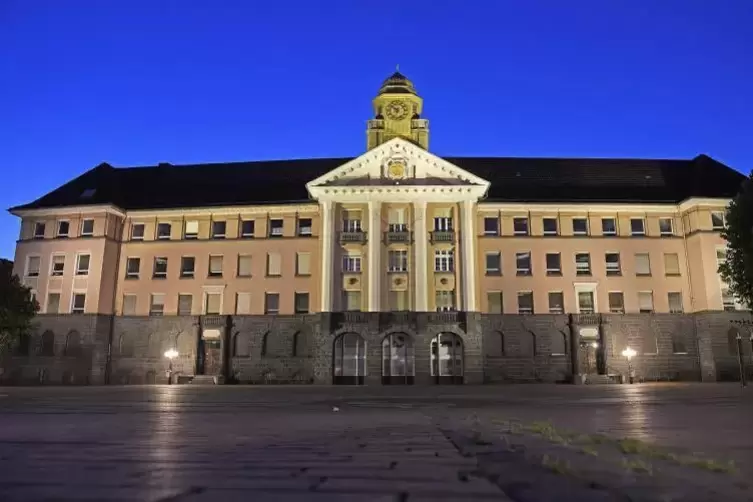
{"x": 207, "y": 380}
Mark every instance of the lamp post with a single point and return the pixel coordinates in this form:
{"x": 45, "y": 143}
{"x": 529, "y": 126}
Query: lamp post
{"x": 170, "y": 354}
{"x": 628, "y": 354}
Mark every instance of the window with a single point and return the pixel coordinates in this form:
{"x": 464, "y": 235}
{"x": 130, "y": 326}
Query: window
{"x": 520, "y": 226}
{"x": 187, "y": 266}
{"x": 728, "y": 300}
{"x": 678, "y": 343}
{"x": 580, "y": 226}
{"x": 397, "y": 260}
{"x": 137, "y": 232}
{"x": 493, "y": 264}
{"x": 616, "y": 302}
{"x": 304, "y": 227}
{"x": 243, "y": 303}
{"x": 445, "y": 301}
{"x": 163, "y": 231}
{"x": 553, "y": 264}
{"x": 244, "y": 265}
{"x": 215, "y": 266}
{"x": 78, "y": 304}
{"x": 157, "y": 304}
{"x": 352, "y": 301}
{"x": 64, "y": 228}
{"x": 637, "y": 226}
{"x": 525, "y": 302}
{"x": 185, "y": 304}
{"x": 133, "y": 266}
{"x": 523, "y": 263}
{"x": 675, "y": 302}
{"x": 396, "y": 220}
{"x": 586, "y": 302}
{"x": 53, "y": 303}
{"x": 398, "y": 301}
{"x": 646, "y": 302}
{"x": 58, "y": 265}
{"x": 666, "y": 227}
{"x": 642, "y": 264}
{"x": 718, "y": 220}
{"x": 32, "y": 266}
{"x": 39, "y": 230}
{"x": 247, "y": 229}
{"x": 213, "y": 303}
{"x": 303, "y": 264}
{"x": 671, "y": 264}
{"x": 550, "y": 226}
{"x": 275, "y": 228}
{"x": 612, "y": 261}
{"x": 582, "y": 264}
{"x": 219, "y": 229}
{"x": 352, "y": 263}
{"x": 443, "y": 224}
{"x": 129, "y": 304}
{"x": 301, "y": 303}
{"x": 87, "y": 228}
{"x": 494, "y": 299}
{"x": 82, "y": 264}
{"x": 491, "y": 225}
{"x": 608, "y": 226}
{"x": 160, "y": 267}
{"x": 191, "y": 230}
{"x": 351, "y": 223}
{"x": 444, "y": 260}
{"x": 556, "y": 302}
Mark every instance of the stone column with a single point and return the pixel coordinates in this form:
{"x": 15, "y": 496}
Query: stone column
{"x": 327, "y": 226}
{"x": 375, "y": 252}
{"x": 421, "y": 237}
{"x": 469, "y": 257}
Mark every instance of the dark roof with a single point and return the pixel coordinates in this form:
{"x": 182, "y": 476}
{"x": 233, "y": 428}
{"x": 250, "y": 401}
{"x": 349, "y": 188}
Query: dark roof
{"x": 397, "y": 83}
{"x": 512, "y": 179}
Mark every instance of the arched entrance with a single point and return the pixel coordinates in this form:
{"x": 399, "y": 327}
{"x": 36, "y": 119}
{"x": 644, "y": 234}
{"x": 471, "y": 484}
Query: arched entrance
{"x": 447, "y": 359}
{"x": 349, "y": 360}
{"x": 397, "y": 359}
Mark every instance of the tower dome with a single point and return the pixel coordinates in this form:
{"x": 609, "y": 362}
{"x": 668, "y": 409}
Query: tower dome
{"x": 397, "y": 83}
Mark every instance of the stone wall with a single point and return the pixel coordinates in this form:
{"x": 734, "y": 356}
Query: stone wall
{"x": 75, "y": 349}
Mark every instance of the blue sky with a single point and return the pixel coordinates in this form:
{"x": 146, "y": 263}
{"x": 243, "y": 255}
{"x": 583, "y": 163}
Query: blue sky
{"x": 138, "y": 82}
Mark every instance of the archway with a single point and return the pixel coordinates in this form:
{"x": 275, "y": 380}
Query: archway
{"x": 398, "y": 358}
{"x": 447, "y": 359}
{"x": 349, "y": 360}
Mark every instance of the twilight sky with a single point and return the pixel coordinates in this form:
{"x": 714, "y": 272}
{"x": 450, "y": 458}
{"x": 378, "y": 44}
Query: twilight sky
{"x": 142, "y": 81}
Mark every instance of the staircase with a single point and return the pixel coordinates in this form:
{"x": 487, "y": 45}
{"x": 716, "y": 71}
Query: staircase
{"x": 207, "y": 380}
{"x": 599, "y": 379}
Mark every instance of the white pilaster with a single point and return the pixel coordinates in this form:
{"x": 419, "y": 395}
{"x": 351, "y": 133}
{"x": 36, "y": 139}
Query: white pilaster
{"x": 328, "y": 248}
{"x": 469, "y": 257}
{"x": 375, "y": 254}
{"x": 421, "y": 239}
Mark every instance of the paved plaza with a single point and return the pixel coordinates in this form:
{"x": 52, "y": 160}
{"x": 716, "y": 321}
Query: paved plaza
{"x": 227, "y": 443}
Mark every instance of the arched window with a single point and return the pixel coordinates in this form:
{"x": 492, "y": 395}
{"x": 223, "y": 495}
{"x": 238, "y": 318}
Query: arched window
{"x": 48, "y": 344}
{"x": 397, "y": 359}
{"x": 559, "y": 343}
{"x": 527, "y": 344}
{"x": 240, "y": 345}
{"x": 349, "y": 359}
{"x": 447, "y": 358}
{"x": 301, "y": 344}
{"x": 72, "y": 343}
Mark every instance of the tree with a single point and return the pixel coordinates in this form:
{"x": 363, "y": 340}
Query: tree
{"x": 17, "y": 309}
{"x": 737, "y": 269}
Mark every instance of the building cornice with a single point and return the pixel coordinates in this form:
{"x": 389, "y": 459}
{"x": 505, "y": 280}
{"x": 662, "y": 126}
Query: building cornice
{"x": 396, "y": 193}
{"x": 68, "y": 211}
{"x": 223, "y": 211}
{"x": 587, "y": 207}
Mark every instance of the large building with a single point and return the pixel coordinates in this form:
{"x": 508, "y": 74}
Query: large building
{"x": 396, "y": 266}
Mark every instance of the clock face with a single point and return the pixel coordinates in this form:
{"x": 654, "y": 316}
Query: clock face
{"x": 396, "y": 110}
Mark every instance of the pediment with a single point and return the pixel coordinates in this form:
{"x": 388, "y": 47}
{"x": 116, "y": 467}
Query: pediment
{"x": 397, "y": 163}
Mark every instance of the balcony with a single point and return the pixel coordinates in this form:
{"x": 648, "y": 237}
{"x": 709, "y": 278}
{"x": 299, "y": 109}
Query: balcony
{"x": 419, "y": 124}
{"x": 442, "y": 236}
{"x": 375, "y": 124}
{"x": 398, "y": 236}
{"x": 357, "y": 237}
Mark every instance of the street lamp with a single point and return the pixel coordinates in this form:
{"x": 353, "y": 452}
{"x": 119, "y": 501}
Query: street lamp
{"x": 628, "y": 354}
{"x": 170, "y": 354}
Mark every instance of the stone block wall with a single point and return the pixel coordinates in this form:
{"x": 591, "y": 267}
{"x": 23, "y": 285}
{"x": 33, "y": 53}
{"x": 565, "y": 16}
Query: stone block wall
{"x": 717, "y": 341}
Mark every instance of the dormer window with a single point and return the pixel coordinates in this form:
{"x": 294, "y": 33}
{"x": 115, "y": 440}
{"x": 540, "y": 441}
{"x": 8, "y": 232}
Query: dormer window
{"x": 88, "y": 193}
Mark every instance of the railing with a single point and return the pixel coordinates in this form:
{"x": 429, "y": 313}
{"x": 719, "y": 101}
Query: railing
{"x": 588, "y": 319}
{"x": 442, "y": 236}
{"x": 213, "y": 320}
{"x": 375, "y": 124}
{"x": 443, "y": 317}
{"x": 401, "y": 236}
{"x": 357, "y": 237}
{"x": 419, "y": 124}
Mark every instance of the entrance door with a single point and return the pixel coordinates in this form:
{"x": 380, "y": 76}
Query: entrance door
{"x": 212, "y": 357}
{"x": 349, "y": 365}
{"x": 397, "y": 360}
{"x": 447, "y": 359}
{"x": 587, "y": 357}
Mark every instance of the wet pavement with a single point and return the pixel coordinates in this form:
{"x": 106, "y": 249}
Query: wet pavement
{"x": 186, "y": 443}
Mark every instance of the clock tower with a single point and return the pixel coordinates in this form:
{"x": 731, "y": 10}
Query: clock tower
{"x": 397, "y": 113}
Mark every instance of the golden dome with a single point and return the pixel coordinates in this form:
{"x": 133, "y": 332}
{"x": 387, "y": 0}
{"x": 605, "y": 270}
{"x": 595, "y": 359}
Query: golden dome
{"x": 397, "y": 83}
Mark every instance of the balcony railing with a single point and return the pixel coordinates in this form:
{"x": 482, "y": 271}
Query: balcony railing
{"x": 376, "y": 124}
{"x": 402, "y": 236}
{"x": 419, "y": 123}
{"x": 352, "y": 237}
{"x": 442, "y": 236}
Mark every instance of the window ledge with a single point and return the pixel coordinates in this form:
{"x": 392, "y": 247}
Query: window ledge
{"x": 159, "y": 277}
{"x": 673, "y": 275}
{"x": 214, "y": 276}
{"x": 554, "y": 274}
{"x": 243, "y": 276}
{"x": 270, "y": 276}
{"x": 524, "y": 274}
{"x": 192, "y": 276}
{"x": 491, "y": 273}
{"x": 130, "y": 277}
